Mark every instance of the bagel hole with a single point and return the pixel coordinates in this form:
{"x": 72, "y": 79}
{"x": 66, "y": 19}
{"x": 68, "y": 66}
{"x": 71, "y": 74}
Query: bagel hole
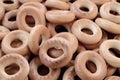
{"x": 43, "y": 70}
{"x": 12, "y": 69}
{"x": 16, "y": 43}
{"x": 30, "y": 20}
{"x": 84, "y": 9}
{"x": 76, "y": 77}
{"x": 8, "y": 2}
{"x": 87, "y": 31}
{"x": 60, "y": 28}
{"x": 91, "y": 66}
{"x": 54, "y": 52}
{"x": 115, "y": 52}
{"x": 113, "y": 12}
{"x": 118, "y": 1}
{"x": 71, "y": 1}
{"x": 13, "y": 18}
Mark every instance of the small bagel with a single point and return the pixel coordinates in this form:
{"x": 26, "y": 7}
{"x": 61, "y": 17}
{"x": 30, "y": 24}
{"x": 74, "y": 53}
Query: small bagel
{"x": 10, "y": 4}
{"x": 104, "y": 51}
{"x": 81, "y": 70}
{"x": 17, "y": 35}
{"x": 2, "y": 11}
{"x": 81, "y": 24}
{"x": 58, "y": 43}
{"x": 54, "y": 4}
{"x": 10, "y": 24}
{"x": 11, "y": 59}
{"x": 3, "y": 32}
{"x": 84, "y": 9}
{"x": 60, "y": 16}
{"x": 29, "y": 10}
{"x": 107, "y": 8}
{"x": 38, "y": 34}
{"x": 108, "y": 25}
{"x": 53, "y": 74}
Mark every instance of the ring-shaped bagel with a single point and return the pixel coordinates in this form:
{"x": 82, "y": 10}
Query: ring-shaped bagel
{"x": 10, "y": 24}
{"x": 10, "y": 6}
{"x": 80, "y": 24}
{"x": 60, "y": 16}
{"x": 58, "y": 43}
{"x": 107, "y": 8}
{"x": 34, "y": 12}
{"x": 12, "y": 36}
{"x": 14, "y": 59}
{"x": 108, "y": 25}
{"x": 104, "y": 51}
{"x": 84, "y": 9}
{"x": 54, "y": 4}
{"x": 34, "y": 75}
{"x": 83, "y": 72}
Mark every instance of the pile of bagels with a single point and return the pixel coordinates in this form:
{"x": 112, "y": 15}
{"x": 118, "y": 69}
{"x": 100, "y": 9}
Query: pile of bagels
{"x": 59, "y": 40}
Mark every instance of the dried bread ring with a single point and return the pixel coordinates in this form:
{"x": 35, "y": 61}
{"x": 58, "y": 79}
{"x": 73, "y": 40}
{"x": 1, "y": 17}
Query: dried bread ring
{"x": 10, "y": 4}
{"x": 10, "y": 24}
{"x": 14, "y": 59}
{"x": 84, "y": 9}
{"x": 13, "y": 37}
{"x": 104, "y": 51}
{"x": 60, "y": 16}
{"x": 58, "y": 43}
{"x": 81, "y": 24}
{"x": 52, "y": 74}
{"x": 110, "y": 11}
{"x": 80, "y": 66}
{"x": 54, "y": 4}
{"x": 29, "y": 10}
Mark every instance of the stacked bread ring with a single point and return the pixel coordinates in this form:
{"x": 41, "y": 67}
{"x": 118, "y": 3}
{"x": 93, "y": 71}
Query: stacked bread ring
{"x": 59, "y": 39}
